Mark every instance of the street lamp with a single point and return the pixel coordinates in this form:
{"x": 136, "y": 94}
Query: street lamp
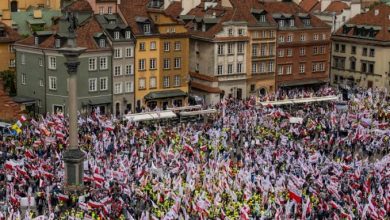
{"x": 73, "y": 157}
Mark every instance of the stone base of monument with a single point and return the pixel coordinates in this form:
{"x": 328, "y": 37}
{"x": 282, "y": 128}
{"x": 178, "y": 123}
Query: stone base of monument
{"x": 74, "y": 170}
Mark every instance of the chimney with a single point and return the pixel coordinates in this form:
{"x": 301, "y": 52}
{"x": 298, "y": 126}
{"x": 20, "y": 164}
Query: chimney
{"x": 187, "y": 5}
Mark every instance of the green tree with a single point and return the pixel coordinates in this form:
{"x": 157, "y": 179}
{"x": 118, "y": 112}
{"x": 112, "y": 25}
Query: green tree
{"x": 9, "y": 79}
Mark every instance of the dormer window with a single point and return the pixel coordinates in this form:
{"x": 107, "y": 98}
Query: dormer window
{"x": 2, "y": 33}
{"x": 292, "y": 23}
{"x": 109, "y": 10}
{"x": 230, "y": 31}
{"x": 262, "y": 19}
{"x": 147, "y": 28}
{"x": 128, "y": 34}
{"x": 36, "y": 41}
{"x": 281, "y": 23}
{"x": 240, "y": 32}
{"x": 306, "y": 22}
{"x": 58, "y": 43}
{"x": 102, "y": 43}
{"x": 116, "y": 35}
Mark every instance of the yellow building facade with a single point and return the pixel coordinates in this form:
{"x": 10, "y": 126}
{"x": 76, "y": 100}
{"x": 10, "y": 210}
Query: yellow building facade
{"x": 7, "y": 54}
{"x": 8, "y": 5}
{"x": 162, "y": 64}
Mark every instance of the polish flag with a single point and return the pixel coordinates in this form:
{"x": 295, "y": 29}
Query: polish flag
{"x": 29, "y": 154}
{"x": 98, "y": 177}
{"x": 83, "y": 206}
{"x": 87, "y": 178}
{"x": 189, "y": 149}
{"x": 21, "y": 171}
{"x": 295, "y": 195}
{"x": 203, "y": 148}
{"x": 22, "y": 118}
{"x": 59, "y": 134}
{"x": 63, "y": 197}
{"x": 109, "y": 128}
{"x": 10, "y": 165}
{"x": 95, "y": 204}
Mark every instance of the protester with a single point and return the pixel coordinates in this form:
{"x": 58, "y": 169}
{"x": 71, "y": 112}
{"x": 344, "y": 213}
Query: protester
{"x": 249, "y": 163}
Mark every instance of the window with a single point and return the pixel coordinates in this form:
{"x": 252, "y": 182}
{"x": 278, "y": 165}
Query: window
{"x": 176, "y": 80}
{"x": 339, "y": 62}
{"x": 58, "y": 43}
{"x": 116, "y": 35}
{"x": 280, "y": 69}
{"x": 254, "y": 50}
{"x": 103, "y": 84}
{"x": 289, "y": 52}
{"x": 36, "y": 40}
{"x": 103, "y": 63}
{"x": 220, "y": 69}
{"x": 263, "y": 49}
{"x": 292, "y": 23}
{"x": 142, "y": 46}
{"x": 302, "y": 51}
{"x": 92, "y": 64}
{"x": 52, "y": 63}
{"x": 306, "y": 22}
{"x": 117, "y": 53}
{"x": 166, "y": 82}
{"x": 152, "y": 82}
{"x": 262, "y": 67}
{"x": 239, "y": 67}
{"x": 254, "y": 68}
{"x": 129, "y": 87}
{"x": 289, "y": 38}
{"x": 12, "y": 63}
{"x": 101, "y": 10}
{"x": 141, "y": 64}
{"x": 177, "y": 45}
{"x": 129, "y": 52}
{"x": 118, "y": 88}
{"x": 272, "y": 34}
{"x": 241, "y": 32}
{"x": 152, "y": 63}
{"x": 40, "y": 61}
{"x": 177, "y": 62}
{"x": 367, "y": 66}
{"x": 262, "y": 18}
{"x": 52, "y": 83}
{"x": 166, "y": 46}
{"x": 102, "y": 43}
{"x": 315, "y": 50}
{"x": 281, "y": 53}
{"x": 166, "y": 63}
{"x": 271, "y": 66}
{"x": 302, "y": 68}
{"x": 240, "y": 47}
{"x": 230, "y": 32}
{"x": 322, "y": 50}
{"x": 117, "y": 70}
{"x": 230, "y": 69}
{"x": 281, "y": 39}
{"x": 353, "y": 50}
{"x": 303, "y": 37}
{"x": 141, "y": 83}
{"x": 264, "y": 34}
{"x": 323, "y": 36}
{"x": 288, "y": 69}
{"x": 281, "y": 23}
{"x": 153, "y": 45}
{"x": 315, "y": 37}
{"x": 23, "y": 58}
{"x": 23, "y": 79}
{"x": 271, "y": 49}
{"x": 342, "y": 48}
{"x": 364, "y": 51}
{"x": 230, "y": 48}
{"x": 109, "y": 10}
{"x": 129, "y": 69}
{"x": 147, "y": 28}
{"x": 128, "y": 34}
{"x": 41, "y": 83}
{"x": 372, "y": 52}
{"x": 220, "y": 49}
{"x": 352, "y": 65}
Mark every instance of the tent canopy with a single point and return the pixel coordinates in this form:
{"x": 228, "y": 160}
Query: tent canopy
{"x": 147, "y": 116}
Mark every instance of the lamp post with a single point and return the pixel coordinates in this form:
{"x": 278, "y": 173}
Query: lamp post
{"x": 73, "y": 157}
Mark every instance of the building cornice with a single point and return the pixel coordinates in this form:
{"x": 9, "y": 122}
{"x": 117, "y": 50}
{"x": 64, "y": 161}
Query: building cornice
{"x": 358, "y": 40}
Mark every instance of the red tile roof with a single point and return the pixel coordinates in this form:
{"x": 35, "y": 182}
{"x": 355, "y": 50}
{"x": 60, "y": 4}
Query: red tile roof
{"x": 337, "y": 6}
{"x": 205, "y": 88}
{"x": 310, "y": 5}
{"x": 79, "y": 5}
{"x": 132, "y": 9}
{"x": 174, "y": 9}
{"x": 380, "y": 20}
{"x": 11, "y": 35}
{"x": 203, "y": 77}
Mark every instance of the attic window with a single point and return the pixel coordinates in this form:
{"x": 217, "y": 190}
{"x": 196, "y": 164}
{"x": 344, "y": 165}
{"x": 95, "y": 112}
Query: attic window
{"x": 58, "y": 43}
{"x": 262, "y": 19}
{"x": 230, "y": 32}
{"x": 147, "y": 28}
{"x": 306, "y": 22}
{"x": 376, "y": 12}
{"x": 102, "y": 43}
{"x": 128, "y": 34}
{"x": 292, "y": 22}
{"x": 36, "y": 40}
{"x": 2, "y": 33}
{"x": 109, "y": 10}
{"x": 116, "y": 35}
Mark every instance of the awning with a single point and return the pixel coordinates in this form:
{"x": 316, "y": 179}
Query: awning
{"x": 147, "y": 116}
{"x": 24, "y": 100}
{"x": 303, "y": 82}
{"x": 165, "y": 94}
{"x": 200, "y": 112}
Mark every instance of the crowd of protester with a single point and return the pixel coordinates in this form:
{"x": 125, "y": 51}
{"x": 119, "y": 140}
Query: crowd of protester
{"x": 249, "y": 162}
